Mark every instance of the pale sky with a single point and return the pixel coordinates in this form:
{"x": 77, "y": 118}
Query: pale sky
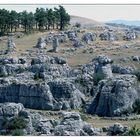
{"x": 96, "y": 12}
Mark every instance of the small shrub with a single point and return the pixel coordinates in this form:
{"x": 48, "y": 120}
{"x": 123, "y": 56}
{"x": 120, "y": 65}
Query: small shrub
{"x": 136, "y": 106}
{"x": 134, "y": 131}
{"x": 78, "y": 25}
{"x": 17, "y": 132}
{"x": 98, "y": 77}
{"x": 14, "y": 126}
{"x": 83, "y": 117}
{"x": 137, "y": 73}
{"x": 36, "y": 76}
{"x": 18, "y": 123}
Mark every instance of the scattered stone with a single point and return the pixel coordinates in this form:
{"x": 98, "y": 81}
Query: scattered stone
{"x": 107, "y": 36}
{"x": 72, "y": 125}
{"x": 122, "y": 69}
{"x": 117, "y": 129}
{"x": 72, "y": 35}
{"x": 88, "y": 37}
{"x": 78, "y": 44}
{"x": 136, "y": 58}
{"x": 129, "y": 35}
{"x": 41, "y": 44}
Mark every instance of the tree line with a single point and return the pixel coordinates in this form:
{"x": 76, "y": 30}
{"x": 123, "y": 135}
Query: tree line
{"x": 42, "y": 19}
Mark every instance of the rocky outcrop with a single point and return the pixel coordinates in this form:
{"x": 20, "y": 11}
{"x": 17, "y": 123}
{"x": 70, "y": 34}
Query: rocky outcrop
{"x": 33, "y": 123}
{"x": 122, "y": 69}
{"x": 66, "y": 95}
{"x": 29, "y": 93}
{"x": 56, "y": 95}
{"x": 71, "y": 35}
{"x": 11, "y": 47}
{"x": 41, "y": 44}
{"x": 10, "y": 66}
{"x": 88, "y": 37}
{"x": 117, "y": 129}
{"x": 78, "y": 44}
{"x": 14, "y": 116}
{"x": 115, "y": 96}
{"x": 55, "y": 44}
{"x": 108, "y": 36}
{"x": 129, "y": 35}
{"x": 72, "y": 125}
{"x": 103, "y": 66}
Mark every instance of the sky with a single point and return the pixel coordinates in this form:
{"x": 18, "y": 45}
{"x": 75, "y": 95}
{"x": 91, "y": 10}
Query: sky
{"x": 97, "y": 12}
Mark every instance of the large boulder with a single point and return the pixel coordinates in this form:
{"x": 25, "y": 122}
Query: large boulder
{"x": 103, "y": 66}
{"x": 122, "y": 69}
{"x": 72, "y": 35}
{"x": 88, "y": 37}
{"x": 115, "y": 96}
{"x": 117, "y": 129}
{"x": 62, "y": 37}
{"x": 13, "y": 65}
{"x": 43, "y": 125}
{"x": 41, "y": 44}
{"x": 108, "y": 36}
{"x": 10, "y": 109}
{"x": 78, "y": 44}
{"x": 129, "y": 35}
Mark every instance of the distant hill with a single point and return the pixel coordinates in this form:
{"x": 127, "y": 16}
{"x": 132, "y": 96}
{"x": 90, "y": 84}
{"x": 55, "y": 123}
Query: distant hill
{"x": 126, "y": 22}
{"x": 84, "y": 21}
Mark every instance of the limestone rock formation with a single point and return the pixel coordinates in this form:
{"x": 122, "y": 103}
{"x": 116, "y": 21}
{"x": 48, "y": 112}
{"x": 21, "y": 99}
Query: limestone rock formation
{"x": 78, "y": 44}
{"x": 55, "y": 44}
{"x": 129, "y": 35}
{"x": 72, "y": 125}
{"x": 72, "y": 35}
{"x": 108, "y": 36}
{"x": 115, "y": 96}
{"x": 41, "y": 44}
{"x": 122, "y": 69}
{"x": 66, "y": 95}
{"x": 10, "y": 113}
{"x": 103, "y": 66}
{"x": 11, "y": 47}
{"x": 117, "y": 129}
{"x": 88, "y": 37}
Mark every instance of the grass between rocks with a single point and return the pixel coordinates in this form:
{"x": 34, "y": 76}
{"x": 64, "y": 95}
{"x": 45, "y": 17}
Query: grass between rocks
{"x": 94, "y": 120}
{"x": 78, "y": 58}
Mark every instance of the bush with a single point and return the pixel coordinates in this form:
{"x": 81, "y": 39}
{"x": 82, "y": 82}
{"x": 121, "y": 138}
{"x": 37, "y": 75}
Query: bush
{"x": 134, "y": 131}
{"x": 98, "y": 77}
{"x": 15, "y": 126}
{"x": 78, "y": 25}
{"x": 18, "y": 123}
{"x": 136, "y": 106}
{"x": 137, "y": 73}
{"x": 17, "y": 132}
{"x": 36, "y": 76}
